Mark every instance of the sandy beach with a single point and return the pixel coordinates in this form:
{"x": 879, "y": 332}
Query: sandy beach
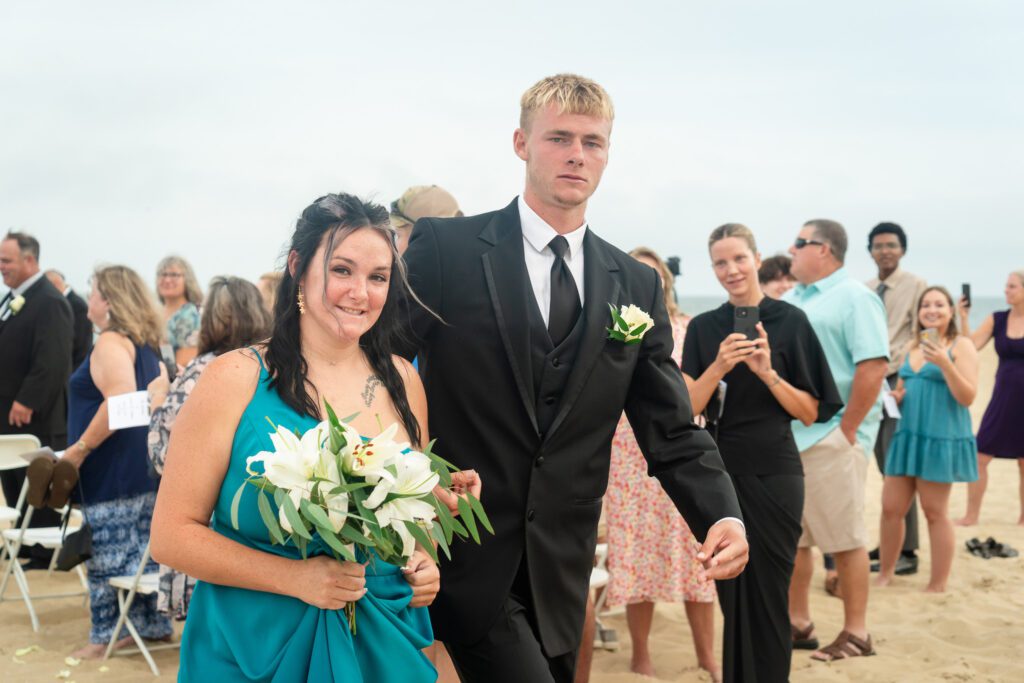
{"x": 974, "y": 632}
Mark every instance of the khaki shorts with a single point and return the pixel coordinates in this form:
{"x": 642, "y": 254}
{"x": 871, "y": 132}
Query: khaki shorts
{"x": 834, "y": 477}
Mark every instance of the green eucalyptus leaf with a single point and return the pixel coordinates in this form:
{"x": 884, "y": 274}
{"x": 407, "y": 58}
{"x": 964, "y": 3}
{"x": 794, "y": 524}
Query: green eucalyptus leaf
{"x": 422, "y": 538}
{"x": 234, "y": 505}
{"x": 269, "y": 519}
{"x": 478, "y": 510}
{"x": 298, "y": 524}
{"x": 354, "y": 536}
{"x": 437, "y": 533}
{"x": 315, "y": 514}
{"x": 466, "y": 514}
{"x": 328, "y": 536}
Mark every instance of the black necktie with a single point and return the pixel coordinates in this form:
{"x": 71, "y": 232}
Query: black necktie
{"x": 880, "y": 290}
{"x": 565, "y": 297}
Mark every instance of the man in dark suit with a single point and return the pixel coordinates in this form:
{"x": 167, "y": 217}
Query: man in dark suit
{"x": 525, "y": 387}
{"x": 35, "y": 360}
{"x": 83, "y": 326}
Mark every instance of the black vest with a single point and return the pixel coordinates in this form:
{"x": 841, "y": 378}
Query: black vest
{"x": 551, "y": 365}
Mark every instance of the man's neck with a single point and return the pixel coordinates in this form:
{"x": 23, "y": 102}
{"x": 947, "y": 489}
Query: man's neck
{"x": 885, "y": 274}
{"x": 827, "y": 271}
{"x": 563, "y": 219}
{"x": 27, "y": 282}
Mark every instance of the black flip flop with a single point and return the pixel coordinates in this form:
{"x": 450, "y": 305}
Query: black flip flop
{"x": 978, "y": 549}
{"x": 997, "y": 549}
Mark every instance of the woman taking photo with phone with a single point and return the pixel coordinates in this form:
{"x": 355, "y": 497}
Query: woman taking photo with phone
{"x": 933, "y": 445}
{"x": 766, "y": 379}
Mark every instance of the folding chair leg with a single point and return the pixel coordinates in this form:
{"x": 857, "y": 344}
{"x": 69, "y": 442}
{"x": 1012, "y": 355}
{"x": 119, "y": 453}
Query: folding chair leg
{"x": 22, "y": 583}
{"x": 124, "y": 605}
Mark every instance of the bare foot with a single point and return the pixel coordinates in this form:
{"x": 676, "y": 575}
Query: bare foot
{"x": 882, "y": 580}
{"x": 968, "y": 521}
{"x": 934, "y": 589}
{"x": 1020, "y": 522}
{"x": 96, "y": 650}
{"x": 715, "y": 671}
{"x": 644, "y": 667}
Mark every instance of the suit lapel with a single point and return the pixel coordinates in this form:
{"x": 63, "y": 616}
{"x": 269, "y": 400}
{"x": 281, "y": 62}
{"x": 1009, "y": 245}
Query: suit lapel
{"x": 507, "y": 281}
{"x": 600, "y": 288}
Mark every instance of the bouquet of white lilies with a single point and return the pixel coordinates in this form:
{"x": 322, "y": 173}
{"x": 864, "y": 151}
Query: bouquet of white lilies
{"x": 375, "y": 495}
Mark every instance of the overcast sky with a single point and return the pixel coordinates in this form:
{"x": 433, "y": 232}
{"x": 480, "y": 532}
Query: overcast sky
{"x": 131, "y": 130}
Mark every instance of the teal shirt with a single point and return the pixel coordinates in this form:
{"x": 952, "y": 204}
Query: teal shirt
{"x": 849, "y": 320}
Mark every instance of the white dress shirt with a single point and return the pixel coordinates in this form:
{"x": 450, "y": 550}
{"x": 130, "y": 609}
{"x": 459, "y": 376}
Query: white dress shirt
{"x": 19, "y": 291}
{"x": 537, "y": 234}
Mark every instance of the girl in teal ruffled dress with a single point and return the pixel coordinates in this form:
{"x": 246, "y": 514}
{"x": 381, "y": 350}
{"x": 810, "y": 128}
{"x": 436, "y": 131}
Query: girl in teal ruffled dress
{"x": 934, "y": 443}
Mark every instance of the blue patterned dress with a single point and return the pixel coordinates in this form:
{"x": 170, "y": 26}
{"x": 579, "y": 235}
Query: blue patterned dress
{"x": 234, "y": 634}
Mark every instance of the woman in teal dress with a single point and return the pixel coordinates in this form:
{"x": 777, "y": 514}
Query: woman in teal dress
{"x": 260, "y": 612}
{"x": 934, "y": 444}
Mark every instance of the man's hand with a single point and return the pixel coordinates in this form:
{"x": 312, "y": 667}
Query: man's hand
{"x": 849, "y": 432}
{"x": 466, "y": 481}
{"x": 20, "y": 415}
{"x": 725, "y": 551}
{"x": 424, "y": 577}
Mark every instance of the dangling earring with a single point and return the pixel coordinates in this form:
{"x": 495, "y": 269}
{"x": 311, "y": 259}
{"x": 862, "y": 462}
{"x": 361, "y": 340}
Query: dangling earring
{"x": 302, "y": 303}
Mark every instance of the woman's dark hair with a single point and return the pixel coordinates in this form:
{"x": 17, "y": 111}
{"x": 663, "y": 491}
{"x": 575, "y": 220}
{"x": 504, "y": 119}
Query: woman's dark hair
{"x": 234, "y": 316}
{"x": 329, "y": 220}
{"x": 773, "y": 268}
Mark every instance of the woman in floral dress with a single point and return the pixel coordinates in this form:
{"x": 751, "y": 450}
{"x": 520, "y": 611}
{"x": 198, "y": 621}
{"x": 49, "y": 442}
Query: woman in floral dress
{"x": 652, "y": 554}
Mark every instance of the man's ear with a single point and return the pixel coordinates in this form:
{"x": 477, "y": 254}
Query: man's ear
{"x": 519, "y": 143}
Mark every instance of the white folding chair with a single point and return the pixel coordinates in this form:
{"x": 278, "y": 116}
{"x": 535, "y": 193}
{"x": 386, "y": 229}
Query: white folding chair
{"x": 11, "y": 449}
{"x": 128, "y": 587}
{"x": 606, "y": 638}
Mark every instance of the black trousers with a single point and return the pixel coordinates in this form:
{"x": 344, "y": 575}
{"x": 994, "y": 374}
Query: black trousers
{"x": 510, "y": 651}
{"x": 12, "y": 481}
{"x": 757, "y": 644}
{"x": 885, "y": 432}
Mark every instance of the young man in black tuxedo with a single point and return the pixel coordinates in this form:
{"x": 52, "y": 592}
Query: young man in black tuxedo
{"x": 82, "y": 344}
{"x": 35, "y": 361}
{"x": 525, "y": 387}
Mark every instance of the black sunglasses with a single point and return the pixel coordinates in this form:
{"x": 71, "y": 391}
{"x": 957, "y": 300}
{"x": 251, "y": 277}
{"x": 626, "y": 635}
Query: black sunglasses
{"x": 397, "y": 212}
{"x": 800, "y": 243}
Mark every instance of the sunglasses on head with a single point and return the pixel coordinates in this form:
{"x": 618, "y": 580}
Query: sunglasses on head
{"x": 800, "y": 242}
{"x": 396, "y": 211}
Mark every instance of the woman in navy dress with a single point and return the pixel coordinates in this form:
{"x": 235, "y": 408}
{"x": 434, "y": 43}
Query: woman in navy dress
{"x": 1002, "y": 430}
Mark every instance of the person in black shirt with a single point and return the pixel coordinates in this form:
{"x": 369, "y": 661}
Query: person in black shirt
{"x": 750, "y": 392}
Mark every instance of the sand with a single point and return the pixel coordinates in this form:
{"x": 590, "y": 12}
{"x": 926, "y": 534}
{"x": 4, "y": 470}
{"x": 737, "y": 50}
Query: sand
{"x": 974, "y": 632}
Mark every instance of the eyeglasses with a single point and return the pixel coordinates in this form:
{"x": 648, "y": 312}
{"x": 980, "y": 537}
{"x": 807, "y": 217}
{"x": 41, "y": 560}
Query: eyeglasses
{"x": 170, "y": 276}
{"x": 800, "y": 243}
{"x": 396, "y": 211}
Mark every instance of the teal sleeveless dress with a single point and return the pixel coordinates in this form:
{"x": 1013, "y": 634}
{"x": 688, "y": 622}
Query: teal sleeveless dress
{"x": 234, "y": 634}
{"x": 934, "y": 440}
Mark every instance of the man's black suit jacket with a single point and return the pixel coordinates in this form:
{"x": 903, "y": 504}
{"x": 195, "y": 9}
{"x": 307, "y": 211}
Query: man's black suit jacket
{"x": 35, "y": 362}
{"x": 543, "y": 493}
{"x": 82, "y": 343}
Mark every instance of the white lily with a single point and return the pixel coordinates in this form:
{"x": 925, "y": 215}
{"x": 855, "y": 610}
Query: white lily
{"x": 290, "y": 465}
{"x": 372, "y": 458}
{"x": 412, "y": 477}
{"x": 336, "y": 503}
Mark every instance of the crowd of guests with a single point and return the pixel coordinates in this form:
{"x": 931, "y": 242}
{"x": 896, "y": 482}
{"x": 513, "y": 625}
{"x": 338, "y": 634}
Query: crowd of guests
{"x": 793, "y": 402}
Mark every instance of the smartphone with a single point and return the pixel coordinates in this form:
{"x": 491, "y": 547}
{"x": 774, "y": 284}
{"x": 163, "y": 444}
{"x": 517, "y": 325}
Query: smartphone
{"x": 745, "y": 320}
{"x": 167, "y": 354}
{"x": 965, "y": 289}
{"x": 930, "y": 335}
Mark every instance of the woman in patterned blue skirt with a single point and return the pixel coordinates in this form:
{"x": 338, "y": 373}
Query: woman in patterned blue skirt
{"x": 934, "y": 445}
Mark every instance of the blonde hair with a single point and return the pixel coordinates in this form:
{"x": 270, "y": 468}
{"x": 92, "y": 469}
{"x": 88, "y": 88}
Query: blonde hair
{"x": 1019, "y": 274}
{"x": 133, "y": 312}
{"x": 193, "y": 294}
{"x": 269, "y": 293}
{"x": 666, "y": 278}
{"x": 733, "y": 230}
{"x": 570, "y": 93}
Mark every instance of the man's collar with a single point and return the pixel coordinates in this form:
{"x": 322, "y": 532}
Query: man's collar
{"x": 894, "y": 277}
{"x": 23, "y": 287}
{"x": 538, "y": 233}
{"x": 827, "y": 282}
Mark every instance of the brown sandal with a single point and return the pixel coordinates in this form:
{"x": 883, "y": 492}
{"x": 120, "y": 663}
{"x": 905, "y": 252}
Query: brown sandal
{"x": 65, "y": 476}
{"x": 39, "y": 475}
{"x": 845, "y": 645}
{"x": 803, "y": 638}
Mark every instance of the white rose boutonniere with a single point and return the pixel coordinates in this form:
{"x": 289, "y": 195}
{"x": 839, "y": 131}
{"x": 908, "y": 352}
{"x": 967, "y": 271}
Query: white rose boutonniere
{"x": 629, "y": 324}
{"x": 16, "y": 304}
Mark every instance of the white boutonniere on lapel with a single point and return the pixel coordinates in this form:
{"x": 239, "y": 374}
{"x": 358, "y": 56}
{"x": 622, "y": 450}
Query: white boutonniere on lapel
{"x": 629, "y": 324}
{"x": 16, "y": 304}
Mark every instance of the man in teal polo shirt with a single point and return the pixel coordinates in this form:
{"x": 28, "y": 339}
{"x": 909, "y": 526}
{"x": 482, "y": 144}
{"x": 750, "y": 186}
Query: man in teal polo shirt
{"x": 849, "y": 320}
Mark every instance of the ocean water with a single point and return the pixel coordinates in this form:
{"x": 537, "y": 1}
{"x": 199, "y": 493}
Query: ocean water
{"x": 982, "y": 306}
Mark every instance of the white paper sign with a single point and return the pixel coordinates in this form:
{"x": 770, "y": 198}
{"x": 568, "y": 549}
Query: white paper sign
{"x": 892, "y": 409}
{"x": 128, "y": 410}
